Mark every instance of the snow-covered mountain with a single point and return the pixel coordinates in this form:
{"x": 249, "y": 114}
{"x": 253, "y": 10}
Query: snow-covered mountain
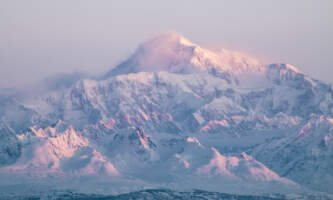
{"x": 306, "y": 152}
{"x": 175, "y": 114}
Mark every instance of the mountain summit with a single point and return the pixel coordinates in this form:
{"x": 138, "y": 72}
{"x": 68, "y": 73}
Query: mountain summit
{"x": 171, "y": 52}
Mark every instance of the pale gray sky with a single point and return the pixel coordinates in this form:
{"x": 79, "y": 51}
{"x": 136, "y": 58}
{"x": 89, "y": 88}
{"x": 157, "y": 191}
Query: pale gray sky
{"x": 42, "y": 37}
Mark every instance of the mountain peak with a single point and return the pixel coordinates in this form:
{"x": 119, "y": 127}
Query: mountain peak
{"x": 169, "y": 52}
{"x": 173, "y": 53}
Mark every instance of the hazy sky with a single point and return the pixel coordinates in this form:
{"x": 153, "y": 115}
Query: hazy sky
{"x": 42, "y": 37}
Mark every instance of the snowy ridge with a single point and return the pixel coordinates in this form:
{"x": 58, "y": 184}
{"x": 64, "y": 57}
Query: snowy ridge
{"x": 59, "y": 153}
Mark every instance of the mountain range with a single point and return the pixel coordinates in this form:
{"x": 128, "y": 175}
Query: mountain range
{"x": 173, "y": 115}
